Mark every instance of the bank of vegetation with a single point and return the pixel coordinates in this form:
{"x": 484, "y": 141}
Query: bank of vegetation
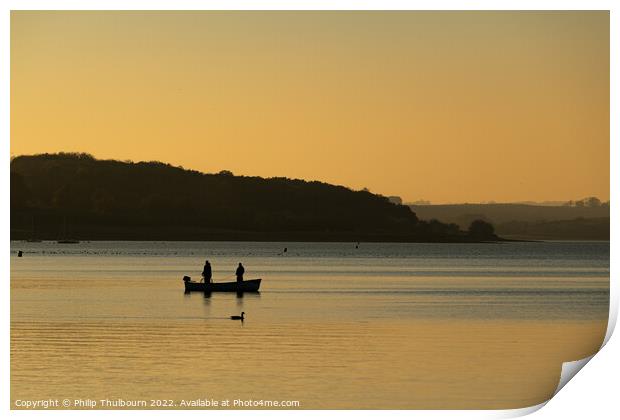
{"x": 74, "y": 194}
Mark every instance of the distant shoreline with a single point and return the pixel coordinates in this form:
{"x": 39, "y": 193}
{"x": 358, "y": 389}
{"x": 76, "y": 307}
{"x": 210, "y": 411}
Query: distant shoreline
{"x": 180, "y": 234}
{"x": 499, "y": 241}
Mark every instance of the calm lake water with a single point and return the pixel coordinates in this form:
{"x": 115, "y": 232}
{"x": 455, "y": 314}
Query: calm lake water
{"x": 382, "y": 326}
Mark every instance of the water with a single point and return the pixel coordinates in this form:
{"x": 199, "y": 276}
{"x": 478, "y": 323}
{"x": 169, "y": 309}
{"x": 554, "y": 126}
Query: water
{"x": 382, "y": 326}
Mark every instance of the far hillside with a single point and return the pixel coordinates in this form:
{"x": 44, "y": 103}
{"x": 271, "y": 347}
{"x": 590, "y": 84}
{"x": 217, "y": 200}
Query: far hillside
{"x": 580, "y": 220}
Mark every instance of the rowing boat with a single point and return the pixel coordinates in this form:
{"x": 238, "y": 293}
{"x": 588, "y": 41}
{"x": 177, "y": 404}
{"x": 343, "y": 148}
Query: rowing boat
{"x": 233, "y": 286}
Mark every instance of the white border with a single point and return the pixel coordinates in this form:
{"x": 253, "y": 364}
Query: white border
{"x": 598, "y": 382}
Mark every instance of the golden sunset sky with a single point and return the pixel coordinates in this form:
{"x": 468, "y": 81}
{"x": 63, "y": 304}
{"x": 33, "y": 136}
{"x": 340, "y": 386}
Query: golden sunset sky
{"x": 444, "y": 106}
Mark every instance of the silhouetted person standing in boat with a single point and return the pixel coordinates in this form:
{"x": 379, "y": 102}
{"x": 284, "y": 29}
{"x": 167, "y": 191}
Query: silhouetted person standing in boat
{"x": 206, "y": 272}
{"x": 239, "y": 272}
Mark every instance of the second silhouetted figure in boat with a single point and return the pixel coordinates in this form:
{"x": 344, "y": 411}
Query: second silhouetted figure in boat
{"x": 206, "y": 272}
{"x": 239, "y": 272}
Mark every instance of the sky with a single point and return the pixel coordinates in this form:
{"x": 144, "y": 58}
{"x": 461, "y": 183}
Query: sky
{"x": 441, "y": 106}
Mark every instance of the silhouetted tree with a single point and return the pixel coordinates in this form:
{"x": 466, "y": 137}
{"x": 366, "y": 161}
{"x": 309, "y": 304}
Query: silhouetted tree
{"x": 481, "y": 230}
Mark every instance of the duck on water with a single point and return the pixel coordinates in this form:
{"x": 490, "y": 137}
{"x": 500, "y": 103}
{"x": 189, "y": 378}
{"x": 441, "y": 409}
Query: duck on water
{"x": 238, "y": 317}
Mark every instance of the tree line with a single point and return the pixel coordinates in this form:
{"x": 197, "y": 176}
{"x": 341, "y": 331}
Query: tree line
{"x": 95, "y": 195}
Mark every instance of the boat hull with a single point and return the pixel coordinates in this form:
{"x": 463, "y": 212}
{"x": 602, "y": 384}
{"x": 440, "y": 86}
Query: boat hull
{"x": 247, "y": 286}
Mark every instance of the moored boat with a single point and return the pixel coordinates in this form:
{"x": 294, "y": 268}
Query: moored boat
{"x": 246, "y": 286}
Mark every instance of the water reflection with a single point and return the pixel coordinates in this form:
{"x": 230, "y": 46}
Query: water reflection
{"x": 393, "y": 326}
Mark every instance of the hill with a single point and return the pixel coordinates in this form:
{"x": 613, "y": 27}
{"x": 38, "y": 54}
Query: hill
{"x": 109, "y": 199}
{"x": 527, "y": 221}
{"x": 596, "y": 228}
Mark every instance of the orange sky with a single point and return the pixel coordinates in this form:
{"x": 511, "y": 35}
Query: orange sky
{"x": 444, "y": 106}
